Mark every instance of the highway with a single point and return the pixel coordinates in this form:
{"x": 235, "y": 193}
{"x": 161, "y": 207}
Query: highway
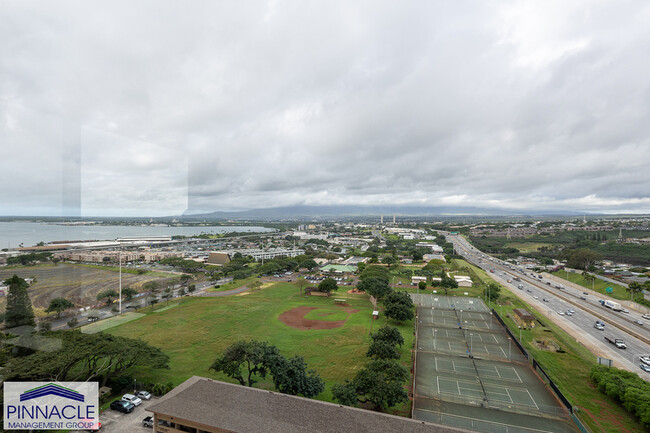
{"x": 553, "y": 302}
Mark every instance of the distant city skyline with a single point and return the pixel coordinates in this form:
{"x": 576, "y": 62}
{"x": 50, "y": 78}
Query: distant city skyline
{"x": 164, "y": 108}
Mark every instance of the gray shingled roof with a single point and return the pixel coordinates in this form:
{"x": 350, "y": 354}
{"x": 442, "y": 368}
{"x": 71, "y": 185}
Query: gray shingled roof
{"x": 249, "y": 410}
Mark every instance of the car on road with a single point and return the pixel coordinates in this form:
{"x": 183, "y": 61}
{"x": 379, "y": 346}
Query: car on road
{"x": 122, "y": 406}
{"x": 638, "y": 322}
{"x": 536, "y": 297}
{"x": 561, "y": 313}
{"x": 583, "y": 298}
{"x": 132, "y": 399}
{"x": 544, "y": 299}
{"x": 645, "y": 360}
{"x": 585, "y": 293}
{"x": 625, "y": 310}
{"x": 569, "y": 313}
{"x": 645, "y": 316}
{"x": 599, "y": 325}
{"x": 645, "y": 368}
{"x": 143, "y": 395}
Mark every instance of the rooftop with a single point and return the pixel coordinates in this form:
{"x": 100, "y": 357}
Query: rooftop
{"x": 242, "y": 409}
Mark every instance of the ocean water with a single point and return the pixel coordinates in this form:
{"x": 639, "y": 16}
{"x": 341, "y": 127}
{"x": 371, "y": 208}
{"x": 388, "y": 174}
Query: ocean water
{"x": 13, "y": 234}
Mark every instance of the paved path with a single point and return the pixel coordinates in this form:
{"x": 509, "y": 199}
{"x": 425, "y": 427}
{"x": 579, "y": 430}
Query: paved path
{"x": 236, "y": 291}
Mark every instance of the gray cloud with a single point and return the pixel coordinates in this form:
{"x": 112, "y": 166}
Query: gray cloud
{"x": 223, "y": 106}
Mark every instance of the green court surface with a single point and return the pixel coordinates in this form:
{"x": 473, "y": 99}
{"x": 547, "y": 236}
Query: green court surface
{"x": 466, "y": 363}
{"x": 102, "y": 325}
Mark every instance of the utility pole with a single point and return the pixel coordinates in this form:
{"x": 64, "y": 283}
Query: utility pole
{"x": 119, "y": 259}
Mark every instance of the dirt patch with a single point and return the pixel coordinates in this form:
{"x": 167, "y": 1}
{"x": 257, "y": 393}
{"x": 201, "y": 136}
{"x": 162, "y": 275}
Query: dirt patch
{"x": 296, "y": 319}
{"x": 548, "y": 345}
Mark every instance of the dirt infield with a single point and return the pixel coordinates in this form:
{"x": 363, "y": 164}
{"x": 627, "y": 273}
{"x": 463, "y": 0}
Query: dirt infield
{"x": 296, "y": 319}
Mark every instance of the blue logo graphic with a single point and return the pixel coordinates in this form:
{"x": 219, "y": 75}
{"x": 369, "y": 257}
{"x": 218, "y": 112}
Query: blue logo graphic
{"x": 51, "y": 389}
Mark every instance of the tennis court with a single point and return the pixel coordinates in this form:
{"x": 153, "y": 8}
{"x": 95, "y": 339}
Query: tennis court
{"x": 465, "y": 359}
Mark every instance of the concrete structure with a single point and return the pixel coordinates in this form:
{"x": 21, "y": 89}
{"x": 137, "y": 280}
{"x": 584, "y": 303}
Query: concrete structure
{"x": 429, "y": 257}
{"x": 339, "y": 269}
{"x": 202, "y": 405}
{"x": 355, "y": 260}
{"x": 463, "y": 281}
{"x": 218, "y": 258}
{"x": 435, "y": 248}
{"x": 524, "y": 318}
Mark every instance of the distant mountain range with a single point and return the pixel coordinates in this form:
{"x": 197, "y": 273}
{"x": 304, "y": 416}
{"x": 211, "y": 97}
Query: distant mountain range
{"x": 365, "y": 211}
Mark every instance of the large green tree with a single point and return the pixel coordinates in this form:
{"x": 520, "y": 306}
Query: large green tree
{"x": 19, "y": 311}
{"x": 399, "y": 306}
{"x": 376, "y": 287}
{"x": 380, "y": 383}
{"x": 59, "y": 305}
{"x": 382, "y": 350}
{"x": 253, "y": 356}
{"x": 83, "y": 357}
{"x": 128, "y": 293}
{"x": 247, "y": 360}
{"x": 290, "y": 376}
{"x": 328, "y": 285}
{"x": 107, "y": 296}
{"x": 388, "y": 334}
{"x": 493, "y": 291}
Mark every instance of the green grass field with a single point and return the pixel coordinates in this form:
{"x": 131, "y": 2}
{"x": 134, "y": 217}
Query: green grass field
{"x": 234, "y": 285}
{"x": 600, "y": 286}
{"x": 111, "y": 322}
{"x": 199, "y": 329}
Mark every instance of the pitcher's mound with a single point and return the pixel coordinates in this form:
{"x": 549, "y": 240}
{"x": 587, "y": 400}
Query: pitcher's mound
{"x": 296, "y": 319}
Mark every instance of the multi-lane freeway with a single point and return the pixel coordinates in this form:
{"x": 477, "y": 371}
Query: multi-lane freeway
{"x": 574, "y": 309}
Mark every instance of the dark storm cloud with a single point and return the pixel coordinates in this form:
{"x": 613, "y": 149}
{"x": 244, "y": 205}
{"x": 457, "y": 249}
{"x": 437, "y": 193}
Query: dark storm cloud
{"x": 221, "y": 106}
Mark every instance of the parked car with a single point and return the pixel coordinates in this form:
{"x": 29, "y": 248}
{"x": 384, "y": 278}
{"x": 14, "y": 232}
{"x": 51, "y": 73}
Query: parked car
{"x": 132, "y": 399}
{"x": 122, "y": 406}
{"x": 143, "y": 395}
{"x": 561, "y": 313}
{"x": 147, "y": 422}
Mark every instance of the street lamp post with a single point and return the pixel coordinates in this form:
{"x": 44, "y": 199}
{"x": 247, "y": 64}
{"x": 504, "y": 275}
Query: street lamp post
{"x": 471, "y": 345}
{"x": 119, "y": 259}
{"x": 509, "y": 351}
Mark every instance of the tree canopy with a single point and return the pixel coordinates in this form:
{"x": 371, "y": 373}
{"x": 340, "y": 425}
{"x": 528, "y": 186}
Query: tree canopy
{"x": 380, "y": 383}
{"x": 245, "y": 360}
{"x": 107, "y": 296}
{"x": 388, "y": 334}
{"x": 19, "y": 311}
{"x": 59, "y": 305}
{"x": 328, "y": 285}
{"x": 399, "y": 306}
{"x": 85, "y": 357}
{"x": 375, "y": 286}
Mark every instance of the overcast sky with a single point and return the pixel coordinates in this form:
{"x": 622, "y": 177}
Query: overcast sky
{"x": 152, "y": 108}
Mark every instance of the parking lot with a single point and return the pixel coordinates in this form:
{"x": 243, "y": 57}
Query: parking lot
{"x": 118, "y": 422}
